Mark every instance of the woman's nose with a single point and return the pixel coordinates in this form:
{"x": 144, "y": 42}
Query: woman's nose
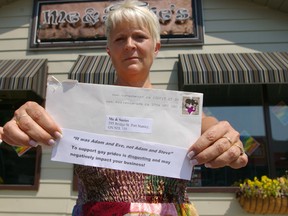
{"x": 130, "y": 43}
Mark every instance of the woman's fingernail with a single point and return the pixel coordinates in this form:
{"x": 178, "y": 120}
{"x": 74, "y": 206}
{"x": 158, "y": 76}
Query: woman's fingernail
{"x": 193, "y": 162}
{"x": 191, "y": 154}
{"x": 33, "y": 143}
{"x": 58, "y": 135}
{"x": 51, "y": 142}
{"x": 207, "y": 165}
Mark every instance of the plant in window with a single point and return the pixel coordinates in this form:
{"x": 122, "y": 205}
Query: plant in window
{"x": 265, "y": 195}
{"x": 264, "y": 187}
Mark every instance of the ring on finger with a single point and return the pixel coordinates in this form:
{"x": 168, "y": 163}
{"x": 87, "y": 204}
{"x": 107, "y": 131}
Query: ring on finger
{"x": 241, "y": 149}
{"x": 229, "y": 139}
{"x": 17, "y": 118}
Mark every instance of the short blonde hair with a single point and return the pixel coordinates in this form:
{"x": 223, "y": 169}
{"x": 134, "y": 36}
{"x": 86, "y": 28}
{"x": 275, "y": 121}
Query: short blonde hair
{"x": 133, "y": 11}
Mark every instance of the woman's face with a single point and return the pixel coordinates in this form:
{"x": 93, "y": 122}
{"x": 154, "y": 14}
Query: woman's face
{"x": 132, "y": 51}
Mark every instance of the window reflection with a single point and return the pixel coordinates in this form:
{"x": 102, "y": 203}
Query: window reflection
{"x": 260, "y": 113}
{"x": 14, "y": 170}
{"x": 242, "y": 118}
{"x": 249, "y": 121}
{"x": 279, "y": 121}
{"x": 279, "y": 128}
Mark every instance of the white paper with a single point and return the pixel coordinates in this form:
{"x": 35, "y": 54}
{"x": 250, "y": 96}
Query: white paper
{"x": 133, "y": 129}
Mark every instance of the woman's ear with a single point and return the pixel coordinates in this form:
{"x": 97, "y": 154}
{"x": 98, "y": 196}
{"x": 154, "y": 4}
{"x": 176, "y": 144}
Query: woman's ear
{"x": 157, "y": 48}
{"x": 108, "y": 51}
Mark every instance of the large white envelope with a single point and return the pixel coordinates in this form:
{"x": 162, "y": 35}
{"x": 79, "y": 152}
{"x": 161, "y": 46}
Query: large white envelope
{"x": 126, "y": 128}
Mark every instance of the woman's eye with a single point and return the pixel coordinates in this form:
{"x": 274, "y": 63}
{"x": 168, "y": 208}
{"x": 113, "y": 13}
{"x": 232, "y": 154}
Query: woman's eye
{"x": 119, "y": 39}
{"x": 141, "y": 37}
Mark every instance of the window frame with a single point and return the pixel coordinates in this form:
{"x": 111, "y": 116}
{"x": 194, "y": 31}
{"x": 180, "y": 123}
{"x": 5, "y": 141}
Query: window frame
{"x": 35, "y": 185}
{"x": 268, "y": 132}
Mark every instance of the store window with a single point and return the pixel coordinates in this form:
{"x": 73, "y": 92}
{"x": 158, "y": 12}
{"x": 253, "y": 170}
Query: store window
{"x": 21, "y": 80}
{"x": 260, "y": 114}
{"x": 249, "y": 121}
{"x": 17, "y": 172}
{"x": 277, "y": 98}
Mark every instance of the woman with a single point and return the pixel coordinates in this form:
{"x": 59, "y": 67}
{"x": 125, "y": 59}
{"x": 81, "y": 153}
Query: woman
{"x": 133, "y": 42}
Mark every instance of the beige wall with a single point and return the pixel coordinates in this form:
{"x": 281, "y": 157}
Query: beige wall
{"x": 230, "y": 26}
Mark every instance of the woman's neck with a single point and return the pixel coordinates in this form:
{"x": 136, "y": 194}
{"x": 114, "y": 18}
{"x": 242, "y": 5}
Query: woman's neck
{"x": 140, "y": 84}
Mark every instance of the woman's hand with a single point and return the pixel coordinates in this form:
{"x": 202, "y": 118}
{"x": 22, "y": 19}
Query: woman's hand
{"x": 30, "y": 126}
{"x": 218, "y": 146}
{"x": 1, "y": 132}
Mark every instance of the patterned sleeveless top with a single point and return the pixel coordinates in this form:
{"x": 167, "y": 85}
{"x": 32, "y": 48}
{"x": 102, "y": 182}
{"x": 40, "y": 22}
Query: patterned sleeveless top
{"x": 108, "y": 192}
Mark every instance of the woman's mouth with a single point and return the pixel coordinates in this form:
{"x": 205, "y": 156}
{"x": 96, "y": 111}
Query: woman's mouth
{"x": 132, "y": 58}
